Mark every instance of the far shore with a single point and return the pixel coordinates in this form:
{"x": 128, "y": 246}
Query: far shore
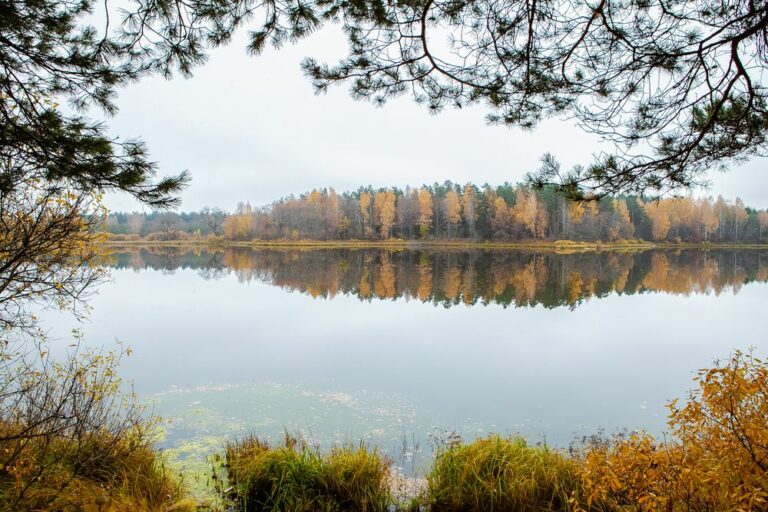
{"x": 399, "y": 244}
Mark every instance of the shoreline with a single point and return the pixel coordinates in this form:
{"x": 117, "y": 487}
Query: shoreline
{"x": 558, "y": 245}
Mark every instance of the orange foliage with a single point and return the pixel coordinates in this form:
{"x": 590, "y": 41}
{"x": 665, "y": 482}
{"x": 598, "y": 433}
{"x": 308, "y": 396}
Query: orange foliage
{"x": 717, "y": 459}
{"x": 385, "y": 209}
{"x": 657, "y": 212}
{"x": 576, "y": 211}
{"x": 502, "y": 218}
{"x": 365, "y": 212}
{"x": 525, "y": 210}
{"x": 452, "y": 211}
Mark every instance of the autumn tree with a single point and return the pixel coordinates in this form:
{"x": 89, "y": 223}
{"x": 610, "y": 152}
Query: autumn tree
{"x": 502, "y": 219}
{"x": 365, "y": 203}
{"x": 136, "y": 222}
{"x": 576, "y": 210}
{"x": 762, "y": 221}
{"x": 48, "y": 254}
{"x": 525, "y": 210}
{"x": 331, "y": 214}
{"x": 659, "y": 219}
{"x": 739, "y": 216}
{"x": 622, "y": 220}
{"x": 425, "y": 212}
{"x": 384, "y": 212}
{"x": 452, "y": 208}
{"x": 213, "y": 219}
{"x": 708, "y": 219}
{"x": 238, "y": 227}
{"x": 407, "y": 210}
{"x": 469, "y": 209}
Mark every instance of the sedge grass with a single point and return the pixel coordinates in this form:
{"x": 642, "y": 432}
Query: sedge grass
{"x": 497, "y": 473}
{"x": 97, "y": 472}
{"x": 295, "y": 477}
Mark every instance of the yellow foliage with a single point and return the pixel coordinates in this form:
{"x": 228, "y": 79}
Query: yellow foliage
{"x": 717, "y": 459}
{"x": 452, "y": 208}
{"x": 425, "y": 211}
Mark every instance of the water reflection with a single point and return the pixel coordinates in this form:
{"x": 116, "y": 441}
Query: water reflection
{"x": 232, "y": 352}
{"x": 449, "y": 278}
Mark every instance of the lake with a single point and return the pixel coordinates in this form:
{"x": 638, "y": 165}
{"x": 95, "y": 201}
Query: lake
{"x": 400, "y": 347}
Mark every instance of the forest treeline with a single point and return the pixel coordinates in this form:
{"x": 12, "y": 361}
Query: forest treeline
{"x": 451, "y": 211}
{"x": 448, "y": 278}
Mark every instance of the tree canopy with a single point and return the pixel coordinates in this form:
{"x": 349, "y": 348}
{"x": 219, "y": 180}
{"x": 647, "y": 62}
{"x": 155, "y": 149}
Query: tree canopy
{"x": 675, "y": 86}
{"x": 48, "y": 54}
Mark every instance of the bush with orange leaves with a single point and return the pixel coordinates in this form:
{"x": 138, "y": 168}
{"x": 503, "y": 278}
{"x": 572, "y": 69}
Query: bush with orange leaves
{"x": 715, "y": 460}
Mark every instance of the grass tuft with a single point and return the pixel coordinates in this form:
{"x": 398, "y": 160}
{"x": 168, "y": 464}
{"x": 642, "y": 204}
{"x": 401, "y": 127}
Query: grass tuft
{"x": 97, "y": 472}
{"x": 293, "y": 476}
{"x": 498, "y": 473}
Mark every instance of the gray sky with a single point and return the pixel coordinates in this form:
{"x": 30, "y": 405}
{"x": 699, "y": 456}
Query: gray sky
{"x": 251, "y": 128}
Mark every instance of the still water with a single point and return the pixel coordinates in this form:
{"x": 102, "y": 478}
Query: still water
{"x": 395, "y": 347}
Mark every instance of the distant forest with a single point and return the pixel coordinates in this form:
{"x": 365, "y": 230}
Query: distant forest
{"x": 451, "y": 211}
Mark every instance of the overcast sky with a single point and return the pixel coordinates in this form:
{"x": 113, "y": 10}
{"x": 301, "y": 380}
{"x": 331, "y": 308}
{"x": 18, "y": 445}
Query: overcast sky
{"x": 251, "y": 128}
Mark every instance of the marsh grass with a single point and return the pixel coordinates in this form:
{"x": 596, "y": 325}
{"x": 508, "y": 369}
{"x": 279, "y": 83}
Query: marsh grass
{"x": 499, "y": 473}
{"x": 294, "y": 476}
{"x": 102, "y": 473}
{"x": 493, "y": 473}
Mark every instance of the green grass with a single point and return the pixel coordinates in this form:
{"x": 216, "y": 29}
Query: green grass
{"x": 295, "y": 477}
{"x": 498, "y": 473}
{"x": 489, "y": 474}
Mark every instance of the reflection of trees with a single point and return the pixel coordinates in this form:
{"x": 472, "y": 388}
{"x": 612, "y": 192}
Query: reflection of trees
{"x": 471, "y": 277}
{"x": 214, "y": 267}
{"x": 169, "y": 259}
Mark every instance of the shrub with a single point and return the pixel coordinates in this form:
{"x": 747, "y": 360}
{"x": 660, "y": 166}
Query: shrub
{"x": 70, "y": 440}
{"x": 163, "y": 236}
{"x": 296, "y": 477}
{"x": 120, "y": 475}
{"x": 497, "y": 473}
{"x": 717, "y": 458}
{"x": 156, "y": 237}
{"x": 120, "y": 237}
